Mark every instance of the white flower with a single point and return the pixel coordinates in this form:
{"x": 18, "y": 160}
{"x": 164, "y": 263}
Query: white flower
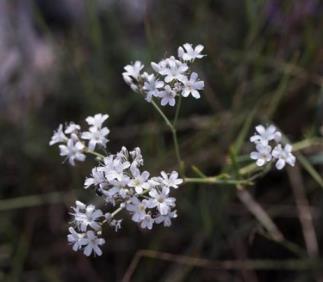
{"x": 97, "y": 120}
{"x": 96, "y": 135}
{"x": 147, "y": 222}
{"x": 166, "y": 219}
{"x": 114, "y": 168}
{"x": 168, "y": 96}
{"x": 140, "y": 181}
{"x": 175, "y": 70}
{"x": 116, "y": 224}
{"x": 188, "y": 53}
{"x": 160, "y": 67}
{"x": 75, "y": 239}
{"x": 172, "y": 180}
{"x": 161, "y": 201}
{"x": 87, "y": 217}
{"x": 192, "y": 85}
{"x": 73, "y": 150}
{"x": 151, "y": 87}
{"x": 118, "y": 187}
{"x": 137, "y": 208}
{"x": 132, "y": 71}
{"x": 137, "y": 159}
{"x": 284, "y": 155}
{"x": 92, "y": 243}
{"x": 58, "y": 136}
{"x": 96, "y": 179}
{"x": 262, "y": 155}
{"x": 72, "y": 128}
{"x": 265, "y": 135}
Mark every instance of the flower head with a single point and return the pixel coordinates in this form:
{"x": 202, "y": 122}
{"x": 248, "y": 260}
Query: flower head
{"x": 188, "y": 53}
{"x": 73, "y": 150}
{"x": 192, "y": 86}
{"x": 283, "y": 155}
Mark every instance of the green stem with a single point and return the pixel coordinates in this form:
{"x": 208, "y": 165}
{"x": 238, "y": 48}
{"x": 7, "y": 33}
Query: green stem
{"x": 174, "y": 134}
{"x": 98, "y": 155}
{"x": 215, "y": 180}
{"x": 178, "y": 108}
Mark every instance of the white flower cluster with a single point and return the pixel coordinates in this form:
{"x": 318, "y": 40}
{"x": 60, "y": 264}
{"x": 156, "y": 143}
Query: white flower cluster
{"x": 121, "y": 183}
{"x": 268, "y": 147}
{"x": 71, "y": 139}
{"x": 171, "y": 79}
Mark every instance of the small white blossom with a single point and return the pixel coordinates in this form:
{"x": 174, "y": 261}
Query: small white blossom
{"x": 58, "y": 136}
{"x": 87, "y": 217}
{"x": 72, "y": 128}
{"x": 75, "y": 239}
{"x": 168, "y": 96}
{"x": 284, "y": 155}
{"x": 114, "y": 168}
{"x": 96, "y": 179}
{"x": 132, "y": 71}
{"x": 175, "y": 70}
{"x": 160, "y": 67}
{"x": 147, "y": 222}
{"x": 73, "y": 150}
{"x": 161, "y": 201}
{"x": 166, "y": 219}
{"x": 96, "y": 136}
{"x": 172, "y": 180}
{"x": 137, "y": 208}
{"x": 265, "y": 135}
{"x": 192, "y": 86}
{"x": 92, "y": 243}
{"x": 262, "y": 155}
{"x": 152, "y": 86}
{"x": 97, "y": 120}
{"x": 140, "y": 181}
{"x": 188, "y": 53}
{"x": 116, "y": 224}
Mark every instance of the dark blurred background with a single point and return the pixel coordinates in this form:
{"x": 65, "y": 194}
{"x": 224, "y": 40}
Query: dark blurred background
{"x": 62, "y": 60}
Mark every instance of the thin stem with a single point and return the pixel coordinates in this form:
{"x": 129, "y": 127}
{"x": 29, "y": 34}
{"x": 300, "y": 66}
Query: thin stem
{"x": 215, "y": 180}
{"x": 174, "y": 134}
{"x": 167, "y": 121}
{"x": 116, "y": 211}
{"x": 98, "y": 155}
{"x": 178, "y": 108}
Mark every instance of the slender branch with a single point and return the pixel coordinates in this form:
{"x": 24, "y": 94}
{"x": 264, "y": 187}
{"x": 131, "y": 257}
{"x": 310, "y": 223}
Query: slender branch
{"x": 98, "y": 155}
{"x": 178, "y": 108}
{"x": 174, "y": 134}
{"x": 167, "y": 121}
{"x": 293, "y": 264}
{"x": 215, "y": 180}
{"x": 304, "y": 212}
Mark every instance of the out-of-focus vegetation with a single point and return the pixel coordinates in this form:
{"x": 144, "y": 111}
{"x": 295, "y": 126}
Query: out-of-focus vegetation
{"x": 62, "y": 60}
